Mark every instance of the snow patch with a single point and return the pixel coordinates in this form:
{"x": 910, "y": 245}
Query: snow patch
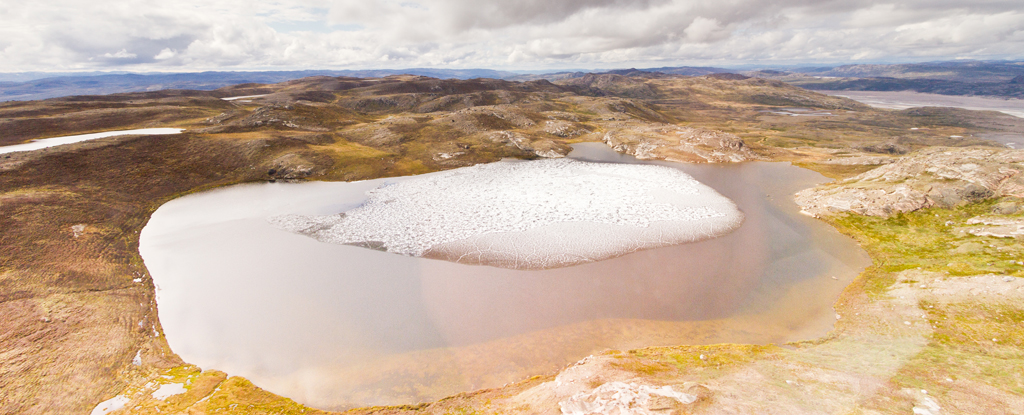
{"x": 526, "y": 215}
{"x": 56, "y": 141}
{"x": 927, "y": 406}
{"x": 169, "y": 390}
{"x": 116, "y": 403}
{"x": 243, "y": 97}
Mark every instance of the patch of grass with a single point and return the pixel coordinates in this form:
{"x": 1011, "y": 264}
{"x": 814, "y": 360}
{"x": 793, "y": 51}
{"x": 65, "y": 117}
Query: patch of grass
{"x": 836, "y": 171}
{"x": 972, "y": 343}
{"x": 927, "y": 239}
{"x": 655, "y": 361}
{"x": 980, "y": 342}
{"x": 462, "y": 411}
{"x": 640, "y": 366}
{"x": 239, "y": 396}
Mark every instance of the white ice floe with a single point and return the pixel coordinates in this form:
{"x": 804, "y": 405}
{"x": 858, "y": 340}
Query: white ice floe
{"x": 535, "y": 214}
{"x": 116, "y": 403}
{"x": 56, "y": 141}
{"x": 169, "y": 390}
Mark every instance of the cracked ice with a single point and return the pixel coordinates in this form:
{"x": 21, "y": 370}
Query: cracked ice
{"x": 530, "y": 214}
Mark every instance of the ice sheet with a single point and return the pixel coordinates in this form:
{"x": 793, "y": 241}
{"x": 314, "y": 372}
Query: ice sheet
{"x": 529, "y": 215}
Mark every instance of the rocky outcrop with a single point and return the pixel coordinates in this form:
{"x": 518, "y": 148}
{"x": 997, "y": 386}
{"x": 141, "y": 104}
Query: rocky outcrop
{"x": 626, "y": 398}
{"x": 859, "y": 160}
{"x": 675, "y": 143}
{"x": 940, "y": 177}
{"x": 274, "y": 115}
{"x": 293, "y": 166}
{"x": 995, "y": 226}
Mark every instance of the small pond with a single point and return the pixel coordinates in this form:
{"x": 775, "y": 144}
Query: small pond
{"x": 334, "y": 326}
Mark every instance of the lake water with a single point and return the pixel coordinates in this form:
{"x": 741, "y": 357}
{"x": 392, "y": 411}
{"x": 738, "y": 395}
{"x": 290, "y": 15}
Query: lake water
{"x": 334, "y": 326}
{"x": 910, "y": 99}
{"x": 57, "y": 141}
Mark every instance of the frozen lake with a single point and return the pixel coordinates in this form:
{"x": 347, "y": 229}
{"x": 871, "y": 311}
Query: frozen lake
{"x": 530, "y": 214}
{"x": 336, "y": 325}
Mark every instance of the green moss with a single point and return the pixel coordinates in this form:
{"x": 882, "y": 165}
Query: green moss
{"x": 667, "y": 361}
{"x": 927, "y": 239}
{"x": 462, "y": 411}
{"x": 239, "y": 396}
{"x": 973, "y": 341}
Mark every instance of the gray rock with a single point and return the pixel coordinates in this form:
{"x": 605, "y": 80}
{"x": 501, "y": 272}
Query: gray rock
{"x": 1007, "y": 208}
{"x": 932, "y": 177}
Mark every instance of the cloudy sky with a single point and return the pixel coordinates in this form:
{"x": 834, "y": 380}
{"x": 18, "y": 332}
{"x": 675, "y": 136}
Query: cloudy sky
{"x": 189, "y": 35}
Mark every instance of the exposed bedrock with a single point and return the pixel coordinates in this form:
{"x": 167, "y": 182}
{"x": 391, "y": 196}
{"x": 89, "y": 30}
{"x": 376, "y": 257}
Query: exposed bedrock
{"x": 676, "y": 143}
{"x": 941, "y": 177}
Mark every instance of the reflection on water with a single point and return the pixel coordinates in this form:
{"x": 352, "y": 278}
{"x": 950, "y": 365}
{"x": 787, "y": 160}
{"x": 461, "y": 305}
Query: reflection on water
{"x": 332, "y": 325}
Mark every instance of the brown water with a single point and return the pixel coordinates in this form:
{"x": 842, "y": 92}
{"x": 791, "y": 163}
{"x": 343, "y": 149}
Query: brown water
{"x": 334, "y": 326}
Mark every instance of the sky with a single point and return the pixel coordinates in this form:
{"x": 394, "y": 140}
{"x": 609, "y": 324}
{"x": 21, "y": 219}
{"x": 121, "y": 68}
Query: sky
{"x": 195, "y": 35}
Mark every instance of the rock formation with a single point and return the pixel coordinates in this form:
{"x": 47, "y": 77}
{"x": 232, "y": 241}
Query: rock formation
{"x": 940, "y": 177}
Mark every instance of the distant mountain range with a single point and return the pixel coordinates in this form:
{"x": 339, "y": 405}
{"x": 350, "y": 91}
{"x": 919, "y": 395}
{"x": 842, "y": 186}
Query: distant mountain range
{"x": 101, "y": 84}
{"x": 962, "y": 71}
{"x": 998, "y": 78}
{"x": 991, "y": 78}
{"x": 1006, "y": 89}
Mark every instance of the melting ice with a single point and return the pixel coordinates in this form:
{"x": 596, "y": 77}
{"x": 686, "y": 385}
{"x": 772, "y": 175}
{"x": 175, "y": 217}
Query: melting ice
{"x": 530, "y": 215}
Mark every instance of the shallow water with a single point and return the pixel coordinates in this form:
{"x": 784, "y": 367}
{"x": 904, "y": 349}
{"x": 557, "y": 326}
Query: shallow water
{"x": 909, "y": 99}
{"x": 57, "y": 141}
{"x": 333, "y": 325}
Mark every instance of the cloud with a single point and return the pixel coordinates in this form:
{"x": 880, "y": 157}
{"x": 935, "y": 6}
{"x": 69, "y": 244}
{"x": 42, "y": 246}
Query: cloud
{"x": 121, "y": 54}
{"x": 701, "y": 29}
{"x": 290, "y": 34}
{"x": 166, "y": 53}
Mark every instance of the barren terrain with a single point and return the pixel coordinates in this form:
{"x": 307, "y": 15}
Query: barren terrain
{"x": 934, "y": 326}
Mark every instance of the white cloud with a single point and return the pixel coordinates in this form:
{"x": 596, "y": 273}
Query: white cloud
{"x": 121, "y": 54}
{"x": 166, "y": 53}
{"x": 288, "y": 34}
